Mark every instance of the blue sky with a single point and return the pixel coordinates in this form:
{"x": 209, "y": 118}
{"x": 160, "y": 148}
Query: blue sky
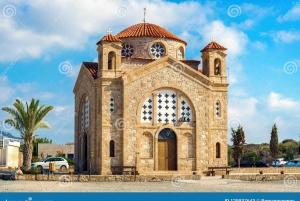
{"x": 43, "y": 43}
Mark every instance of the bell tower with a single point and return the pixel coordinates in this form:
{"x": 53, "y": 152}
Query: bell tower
{"x": 214, "y": 62}
{"x": 109, "y": 54}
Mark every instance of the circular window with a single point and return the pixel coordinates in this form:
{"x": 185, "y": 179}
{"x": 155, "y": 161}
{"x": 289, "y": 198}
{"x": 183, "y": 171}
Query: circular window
{"x": 127, "y": 50}
{"x": 157, "y": 50}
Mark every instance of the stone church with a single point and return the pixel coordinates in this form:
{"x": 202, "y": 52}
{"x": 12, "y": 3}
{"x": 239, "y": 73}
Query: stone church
{"x": 145, "y": 104}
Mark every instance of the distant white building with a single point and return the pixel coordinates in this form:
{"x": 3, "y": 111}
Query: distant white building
{"x": 9, "y": 152}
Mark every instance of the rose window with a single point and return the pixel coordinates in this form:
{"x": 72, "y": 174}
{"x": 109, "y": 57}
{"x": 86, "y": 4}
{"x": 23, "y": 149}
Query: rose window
{"x": 127, "y": 50}
{"x": 157, "y": 50}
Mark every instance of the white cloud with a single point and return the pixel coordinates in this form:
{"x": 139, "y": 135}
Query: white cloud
{"x": 259, "y": 45}
{"x": 286, "y": 36}
{"x": 49, "y": 26}
{"x": 292, "y": 14}
{"x": 278, "y": 102}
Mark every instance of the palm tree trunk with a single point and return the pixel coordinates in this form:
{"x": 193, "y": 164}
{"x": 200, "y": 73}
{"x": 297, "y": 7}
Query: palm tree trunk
{"x": 27, "y": 155}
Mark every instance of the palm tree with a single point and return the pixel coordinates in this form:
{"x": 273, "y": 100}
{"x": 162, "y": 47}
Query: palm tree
{"x": 27, "y": 120}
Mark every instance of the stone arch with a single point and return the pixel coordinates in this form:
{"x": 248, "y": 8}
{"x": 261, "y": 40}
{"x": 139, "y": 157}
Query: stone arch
{"x": 111, "y": 60}
{"x": 81, "y": 113}
{"x": 146, "y": 145}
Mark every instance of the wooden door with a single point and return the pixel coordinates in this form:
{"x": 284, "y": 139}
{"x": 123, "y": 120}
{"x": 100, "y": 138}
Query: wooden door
{"x": 167, "y": 155}
{"x": 172, "y": 156}
{"x": 162, "y": 153}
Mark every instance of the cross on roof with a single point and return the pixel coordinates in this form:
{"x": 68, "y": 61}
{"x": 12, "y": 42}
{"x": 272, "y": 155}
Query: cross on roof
{"x": 109, "y": 31}
{"x": 212, "y": 39}
{"x": 144, "y": 15}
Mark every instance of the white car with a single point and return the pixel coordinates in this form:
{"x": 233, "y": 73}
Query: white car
{"x": 60, "y": 163}
{"x": 278, "y": 161}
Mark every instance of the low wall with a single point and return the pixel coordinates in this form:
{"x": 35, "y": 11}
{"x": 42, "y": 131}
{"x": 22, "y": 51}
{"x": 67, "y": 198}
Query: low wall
{"x": 102, "y": 178}
{"x": 256, "y": 170}
{"x": 263, "y": 177}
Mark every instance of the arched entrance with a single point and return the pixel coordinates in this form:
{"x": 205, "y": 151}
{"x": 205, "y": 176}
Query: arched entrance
{"x": 167, "y": 150}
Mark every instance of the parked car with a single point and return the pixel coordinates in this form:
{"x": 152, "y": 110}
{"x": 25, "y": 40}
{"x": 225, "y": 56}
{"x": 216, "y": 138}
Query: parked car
{"x": 60, "y": 163}
{"x": 278, "y": 161}
{"x": 250, "y": 164}
{"x": 293, "y": 163}
{"x": 243, "y": 164}
{"x": 261, "y": 164}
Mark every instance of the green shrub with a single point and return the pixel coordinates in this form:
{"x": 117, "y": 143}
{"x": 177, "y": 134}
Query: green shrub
{"x": 32, "y": 170}
{"x": 35, "y": 159}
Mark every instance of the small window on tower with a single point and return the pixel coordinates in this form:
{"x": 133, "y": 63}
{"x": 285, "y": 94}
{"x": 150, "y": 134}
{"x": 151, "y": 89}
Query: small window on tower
{"x": 218, "y": 151}
{"x": 218, "y": 109}
{"x": 180, "y": 53}
{"x": 112, "y": 105}
{"x": 112, "y": 148}
{"x": 217, "y": 68}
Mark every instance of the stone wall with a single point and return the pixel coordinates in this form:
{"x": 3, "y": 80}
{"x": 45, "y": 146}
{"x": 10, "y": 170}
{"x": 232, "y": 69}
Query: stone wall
{"x": 53, "y": 149}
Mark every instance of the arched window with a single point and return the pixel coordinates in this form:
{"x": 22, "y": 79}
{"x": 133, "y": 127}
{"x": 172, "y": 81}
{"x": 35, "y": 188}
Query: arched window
{"x": 180, "y": 53}
{"x": 217, "y": 67}
{"x": 218, "y": 109}
{"x": 112, "y": 105}
{"x": 157, "y": 50}
{"x": 218, "y": 150}
{"x": 127, "y": 50}
{"x": 87, "y": 112}
{"x": 84, "y": 114}
{"x": 111, "y": 148}
{"x": 111, "y": 61}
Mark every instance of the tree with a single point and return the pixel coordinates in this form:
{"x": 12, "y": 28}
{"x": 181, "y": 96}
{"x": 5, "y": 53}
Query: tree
{"x": 238, "y": 139}
{"x": 274, "y": 149}
{"x": 36, "y": 142}
{"x": 27, "y": 119}
{"x": 252, "y": 157}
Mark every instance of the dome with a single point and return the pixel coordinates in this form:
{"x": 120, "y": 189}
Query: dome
{"x": 147, "y": 30}
{"x": 109, "y": 38}
{"x": 213, "y": 45}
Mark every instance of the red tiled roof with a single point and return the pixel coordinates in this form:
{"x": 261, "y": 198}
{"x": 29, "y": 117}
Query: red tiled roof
{"x": 200, "y": 70}
{"x": 190, "y": 61}
{"x": 147, "y": 30}
{"x": 214, "y": 45}
{"x": 110, "y": 38}
{"x": 92, "y": 67}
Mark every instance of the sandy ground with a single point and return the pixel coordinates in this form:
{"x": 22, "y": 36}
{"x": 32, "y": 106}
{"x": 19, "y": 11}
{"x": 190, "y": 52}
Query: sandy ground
{"x": 206, "y": 184}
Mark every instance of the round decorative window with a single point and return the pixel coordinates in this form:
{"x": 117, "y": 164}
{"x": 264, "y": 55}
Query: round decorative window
{"x": 157, "y": 50}
{"x": 127, "y": 50}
